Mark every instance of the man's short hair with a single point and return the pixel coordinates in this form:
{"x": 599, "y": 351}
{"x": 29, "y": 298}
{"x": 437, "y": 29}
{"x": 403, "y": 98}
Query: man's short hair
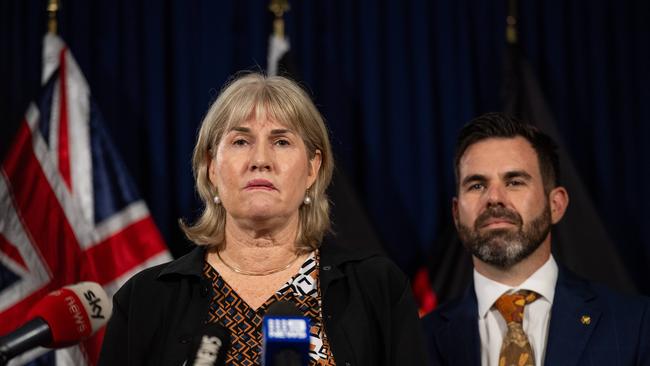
{"x": 501, "y": 125}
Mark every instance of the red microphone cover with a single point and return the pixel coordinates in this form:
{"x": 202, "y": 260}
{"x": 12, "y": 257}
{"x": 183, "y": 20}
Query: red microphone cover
{"x": 73, "y": 313}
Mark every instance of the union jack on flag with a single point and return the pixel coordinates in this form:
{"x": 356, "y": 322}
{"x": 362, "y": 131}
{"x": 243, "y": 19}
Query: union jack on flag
{"x": 69, "y": 212}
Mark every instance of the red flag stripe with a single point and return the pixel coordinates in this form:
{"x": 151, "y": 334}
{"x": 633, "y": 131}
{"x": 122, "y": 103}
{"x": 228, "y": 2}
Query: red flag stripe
{"x": 116, "y": 254}
{"x": 14, "y": 316}
{"x": 41, "y": 211}
{"x": 11, "y": 251}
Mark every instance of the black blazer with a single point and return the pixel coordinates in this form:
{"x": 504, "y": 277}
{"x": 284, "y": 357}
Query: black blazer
{"x": 618, "y": 332}
{"x": 369, "y": 313}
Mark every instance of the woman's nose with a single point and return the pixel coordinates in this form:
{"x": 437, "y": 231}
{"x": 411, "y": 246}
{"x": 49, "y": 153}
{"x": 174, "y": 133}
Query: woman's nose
{"x": 261, "y": 159}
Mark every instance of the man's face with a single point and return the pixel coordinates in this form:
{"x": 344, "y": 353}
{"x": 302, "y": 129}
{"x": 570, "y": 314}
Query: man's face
{"x": 502, "y": 213}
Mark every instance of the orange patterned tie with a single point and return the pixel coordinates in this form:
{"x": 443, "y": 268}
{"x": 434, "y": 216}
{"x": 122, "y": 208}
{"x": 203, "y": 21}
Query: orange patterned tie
{"x": 515, "y": 350}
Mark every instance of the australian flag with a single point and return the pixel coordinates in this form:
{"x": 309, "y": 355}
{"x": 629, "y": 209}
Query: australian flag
{"x": 69, "y": 211}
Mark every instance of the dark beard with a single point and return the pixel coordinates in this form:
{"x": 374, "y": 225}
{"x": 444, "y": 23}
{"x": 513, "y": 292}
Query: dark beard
{"x": 504, "y": 248}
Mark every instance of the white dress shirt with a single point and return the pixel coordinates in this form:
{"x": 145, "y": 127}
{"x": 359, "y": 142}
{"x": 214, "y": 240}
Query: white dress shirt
{"x": 537, "y": 315}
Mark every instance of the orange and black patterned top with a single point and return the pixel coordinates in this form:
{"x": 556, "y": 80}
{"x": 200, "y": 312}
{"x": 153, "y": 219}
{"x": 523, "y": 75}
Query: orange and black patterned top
{"x": 245, "y": 324}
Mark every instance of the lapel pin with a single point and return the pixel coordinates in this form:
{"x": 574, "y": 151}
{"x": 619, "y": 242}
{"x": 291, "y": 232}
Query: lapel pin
{"x": 585, "y": 320}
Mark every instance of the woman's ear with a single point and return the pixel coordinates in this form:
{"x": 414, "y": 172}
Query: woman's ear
{"x": 212, "y": 169}
{"x": 314, "y": 167}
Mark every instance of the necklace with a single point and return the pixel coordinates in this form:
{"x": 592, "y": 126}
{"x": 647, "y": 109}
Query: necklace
{"x": 251, "y": 273}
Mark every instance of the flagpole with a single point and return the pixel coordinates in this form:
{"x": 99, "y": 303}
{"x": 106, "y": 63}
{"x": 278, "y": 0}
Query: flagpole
{"x": 512, "y": 36}
{"x": 279, "y": 7}
{"x": 278, "y": 42}
{"x": 52, "y": 9}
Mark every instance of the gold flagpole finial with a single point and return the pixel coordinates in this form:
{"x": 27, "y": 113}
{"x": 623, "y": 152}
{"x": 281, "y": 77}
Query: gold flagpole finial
{"x": 279, "y": 7}
{"x": 52, "y": 9}
{"x": 511, "y": 23}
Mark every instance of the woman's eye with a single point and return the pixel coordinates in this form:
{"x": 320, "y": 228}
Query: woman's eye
{"x": 239, "y": 142}
{"x": 282, "y": 142}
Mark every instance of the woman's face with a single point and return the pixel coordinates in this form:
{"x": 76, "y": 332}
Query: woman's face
{"x": 262, "y": 170}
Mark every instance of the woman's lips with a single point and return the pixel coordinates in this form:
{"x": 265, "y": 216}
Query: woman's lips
{"x": 260, "y": 184}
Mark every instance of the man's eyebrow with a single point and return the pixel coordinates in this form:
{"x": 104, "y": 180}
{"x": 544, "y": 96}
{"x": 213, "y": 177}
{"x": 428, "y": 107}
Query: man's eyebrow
{"x": 517, "y": 174}
{"x": 473, "y": 178}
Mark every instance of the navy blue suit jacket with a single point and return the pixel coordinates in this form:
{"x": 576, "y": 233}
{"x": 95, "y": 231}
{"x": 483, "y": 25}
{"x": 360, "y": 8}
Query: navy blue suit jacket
{"x": 618, "y": 332}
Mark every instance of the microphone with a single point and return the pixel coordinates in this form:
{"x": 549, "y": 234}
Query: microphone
{"x": 211, "y": 346}
{"x": 60, "y": 319}
{"x": 285, "y": 333}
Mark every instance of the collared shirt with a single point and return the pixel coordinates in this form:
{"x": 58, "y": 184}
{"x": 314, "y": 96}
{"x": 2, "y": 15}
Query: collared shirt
{"x": 492, "y": 327}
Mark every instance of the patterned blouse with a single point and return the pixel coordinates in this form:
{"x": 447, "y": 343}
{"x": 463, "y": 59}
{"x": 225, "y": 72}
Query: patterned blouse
{"x": 245, "y": 324}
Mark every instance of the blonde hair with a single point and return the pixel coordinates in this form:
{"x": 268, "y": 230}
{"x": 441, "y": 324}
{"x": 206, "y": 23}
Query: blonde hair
{"x": 253, "y": 95}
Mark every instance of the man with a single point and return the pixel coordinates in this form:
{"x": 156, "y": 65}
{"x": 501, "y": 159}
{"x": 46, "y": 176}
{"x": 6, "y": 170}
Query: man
{"x": 523, "y": 308}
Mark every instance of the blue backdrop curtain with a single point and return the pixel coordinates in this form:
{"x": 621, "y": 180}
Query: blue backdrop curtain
{"x": 395, "y": 80}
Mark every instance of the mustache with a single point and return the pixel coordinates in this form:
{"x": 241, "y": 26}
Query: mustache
{"x": 498, "y": 212}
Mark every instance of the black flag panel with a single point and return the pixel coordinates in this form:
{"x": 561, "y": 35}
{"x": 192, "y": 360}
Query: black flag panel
{"x": 580, "y": 240}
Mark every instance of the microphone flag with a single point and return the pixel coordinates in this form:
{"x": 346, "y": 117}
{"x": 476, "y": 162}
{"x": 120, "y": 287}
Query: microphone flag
{"x": 285, "y": 340}
{"x": 62, "y": 318}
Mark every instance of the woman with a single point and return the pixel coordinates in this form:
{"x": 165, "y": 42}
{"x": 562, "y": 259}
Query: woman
{"x": 262, "y": 164}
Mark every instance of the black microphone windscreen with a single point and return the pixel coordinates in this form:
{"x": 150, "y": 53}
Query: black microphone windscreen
{"x": 210, "y": 346}
{"x": 283, "y": 308}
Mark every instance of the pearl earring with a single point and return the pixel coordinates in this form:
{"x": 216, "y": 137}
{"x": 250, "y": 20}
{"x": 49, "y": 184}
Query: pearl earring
{"x": 216, "y": 200}
{"x": 307, "y": 200}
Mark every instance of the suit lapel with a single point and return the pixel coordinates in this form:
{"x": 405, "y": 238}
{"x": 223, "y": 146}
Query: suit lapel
{"x": 461, "y": 333}
{"x": 574, "y": 316}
